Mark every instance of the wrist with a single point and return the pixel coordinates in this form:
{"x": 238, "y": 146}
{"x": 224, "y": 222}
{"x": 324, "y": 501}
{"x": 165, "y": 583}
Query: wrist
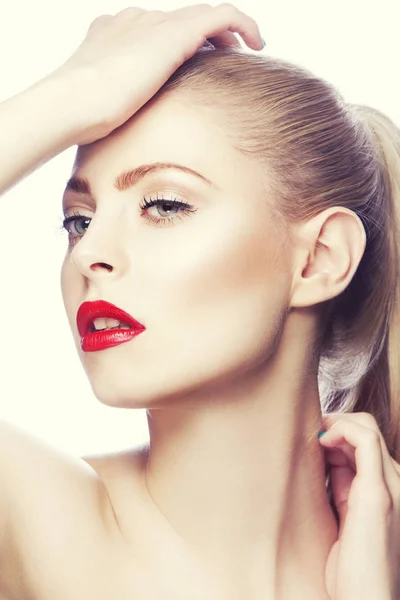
{"x": 59, "y": 103}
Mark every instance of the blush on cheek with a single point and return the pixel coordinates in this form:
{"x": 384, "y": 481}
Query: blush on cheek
{"x": 235, "y": 296}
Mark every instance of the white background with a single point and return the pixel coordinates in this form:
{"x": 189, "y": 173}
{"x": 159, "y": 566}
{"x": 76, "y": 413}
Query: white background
{"x": 43, "y": 388}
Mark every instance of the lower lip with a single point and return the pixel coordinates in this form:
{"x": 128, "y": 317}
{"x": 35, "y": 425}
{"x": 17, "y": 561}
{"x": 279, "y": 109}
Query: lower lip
{"x": 100, "y": 340}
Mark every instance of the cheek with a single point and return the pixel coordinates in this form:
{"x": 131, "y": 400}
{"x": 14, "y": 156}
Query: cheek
{"x": 219, "y": 301}
{"x": 70, "y": 290}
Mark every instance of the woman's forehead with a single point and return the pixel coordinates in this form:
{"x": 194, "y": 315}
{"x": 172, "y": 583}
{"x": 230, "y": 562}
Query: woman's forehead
{"x": 167, "y": 131}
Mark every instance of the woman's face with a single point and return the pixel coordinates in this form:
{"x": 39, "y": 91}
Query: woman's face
{"x": 210, "y": 282}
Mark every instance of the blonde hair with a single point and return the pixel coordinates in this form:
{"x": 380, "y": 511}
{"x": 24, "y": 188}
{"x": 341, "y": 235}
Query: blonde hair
{"x": 321, "y": 152}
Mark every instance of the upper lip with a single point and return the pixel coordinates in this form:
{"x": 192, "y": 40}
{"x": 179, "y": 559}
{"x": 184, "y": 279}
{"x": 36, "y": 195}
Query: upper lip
{"x": 88, "y": 311}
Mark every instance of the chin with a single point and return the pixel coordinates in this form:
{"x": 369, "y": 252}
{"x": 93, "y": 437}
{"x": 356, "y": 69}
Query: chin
{"x": 146, "y": 377}
{"x": 115, "y": 389}
{"x": 130, "y": 387}
{"x": 127, "y": 388}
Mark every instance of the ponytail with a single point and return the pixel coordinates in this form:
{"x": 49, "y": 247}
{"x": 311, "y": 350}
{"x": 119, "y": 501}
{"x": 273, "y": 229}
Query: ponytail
{"x": 379, "y": 392}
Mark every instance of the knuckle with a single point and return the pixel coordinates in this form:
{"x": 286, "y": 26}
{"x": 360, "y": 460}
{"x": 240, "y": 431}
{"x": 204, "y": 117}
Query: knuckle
{"x": 130, "y": 12}
{"x": 150, "y": 16}
{"x": 379, "y": 501}
{"x": 367, "y": 419}
{"x": 157, "y": 16}
{"x": 386, "y": 502}
{"x": 100, "y": 20}
{"x": 228, "y": 6}
{"x": 156, "y": 13}
{"x": 372, "y": 436}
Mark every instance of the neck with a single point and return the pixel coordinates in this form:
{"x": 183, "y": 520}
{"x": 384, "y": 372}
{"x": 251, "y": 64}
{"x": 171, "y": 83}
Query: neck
{"x": 240, "y": 476}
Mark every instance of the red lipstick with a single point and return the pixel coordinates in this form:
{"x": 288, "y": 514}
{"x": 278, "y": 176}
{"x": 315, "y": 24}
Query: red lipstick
{"x": 92, "y": 340}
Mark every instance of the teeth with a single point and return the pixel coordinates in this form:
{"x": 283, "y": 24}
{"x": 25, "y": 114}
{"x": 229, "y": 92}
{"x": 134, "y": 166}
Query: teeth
{"x": 99, "y": 324}
{"x": 102, "y": 323}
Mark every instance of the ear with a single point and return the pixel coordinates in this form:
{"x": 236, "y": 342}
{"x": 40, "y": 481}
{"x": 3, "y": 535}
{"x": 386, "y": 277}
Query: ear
{"x": 328, "y": 250}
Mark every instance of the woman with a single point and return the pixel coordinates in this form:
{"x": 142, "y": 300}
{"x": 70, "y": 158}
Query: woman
{"x": 243, "y": 293}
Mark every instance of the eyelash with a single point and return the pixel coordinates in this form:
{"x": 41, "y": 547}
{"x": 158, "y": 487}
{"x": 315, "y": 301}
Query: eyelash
{"x": 145, "y": 205}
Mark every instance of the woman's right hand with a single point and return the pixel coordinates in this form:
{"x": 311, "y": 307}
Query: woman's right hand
{"x": 126, "y": 58}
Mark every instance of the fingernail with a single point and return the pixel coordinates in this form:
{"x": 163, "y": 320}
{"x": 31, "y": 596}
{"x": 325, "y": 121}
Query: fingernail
{"x": 321, "y": 434}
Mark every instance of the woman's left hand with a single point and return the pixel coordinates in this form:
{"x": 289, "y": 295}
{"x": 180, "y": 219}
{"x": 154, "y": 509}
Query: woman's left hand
{"x": 364, "y": 562}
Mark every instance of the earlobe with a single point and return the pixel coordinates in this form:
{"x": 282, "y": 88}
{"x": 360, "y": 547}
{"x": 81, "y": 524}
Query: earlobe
{"x": 328, "y": 250}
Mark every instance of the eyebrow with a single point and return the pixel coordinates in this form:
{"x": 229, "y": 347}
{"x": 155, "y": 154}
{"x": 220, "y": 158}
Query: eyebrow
{"x": 127, "y": 179}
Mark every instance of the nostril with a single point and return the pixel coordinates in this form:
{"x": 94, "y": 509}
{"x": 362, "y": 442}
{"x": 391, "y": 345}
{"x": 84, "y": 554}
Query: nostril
{"x": 104, "y": 265}
{"x": 108, "y": 267}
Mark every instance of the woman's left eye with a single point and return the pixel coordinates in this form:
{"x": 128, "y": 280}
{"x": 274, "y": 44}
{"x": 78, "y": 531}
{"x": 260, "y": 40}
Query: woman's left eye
{"x": 166, "y": 206}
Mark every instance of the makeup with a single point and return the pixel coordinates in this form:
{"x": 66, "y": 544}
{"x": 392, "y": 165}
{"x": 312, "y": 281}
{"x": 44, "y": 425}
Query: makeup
{"x": 98, "y": 332}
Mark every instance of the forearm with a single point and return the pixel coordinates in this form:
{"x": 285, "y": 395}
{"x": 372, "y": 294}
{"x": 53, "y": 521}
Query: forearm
{"x": 36, "y": 125}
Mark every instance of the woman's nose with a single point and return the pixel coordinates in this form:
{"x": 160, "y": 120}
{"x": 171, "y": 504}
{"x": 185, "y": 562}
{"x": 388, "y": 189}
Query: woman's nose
{"x": 100, "y": 253}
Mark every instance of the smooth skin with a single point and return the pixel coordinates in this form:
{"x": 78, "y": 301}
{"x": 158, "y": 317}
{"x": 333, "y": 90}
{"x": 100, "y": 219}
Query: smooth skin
{"x": 229, "y": 500}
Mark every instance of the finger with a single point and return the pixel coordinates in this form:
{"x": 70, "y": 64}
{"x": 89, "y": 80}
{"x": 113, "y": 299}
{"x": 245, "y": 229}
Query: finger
{"x": 342, "y": 474}
{"x": 342, "y": 455}
{"x": 368, "y": 454}
{"x": 367, "y": 420}
{"x": 241, "y": 23}
{"x": 217, "y": 20}
{"x": 100, "y": 21}
{"x": 342, "y": 479}
{"x": 391, "y": 467}
{"x": 226, "y": 40}
{"x": 132, "y": 11}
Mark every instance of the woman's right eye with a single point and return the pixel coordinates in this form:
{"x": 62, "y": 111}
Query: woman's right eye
{"x": 76, "y": 223}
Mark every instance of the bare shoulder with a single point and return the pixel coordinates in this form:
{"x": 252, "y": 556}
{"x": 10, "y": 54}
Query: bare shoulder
{"x": 29, "y": 462}
{"x": 30, "y": 465}
{"x": 59, "y": 505}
